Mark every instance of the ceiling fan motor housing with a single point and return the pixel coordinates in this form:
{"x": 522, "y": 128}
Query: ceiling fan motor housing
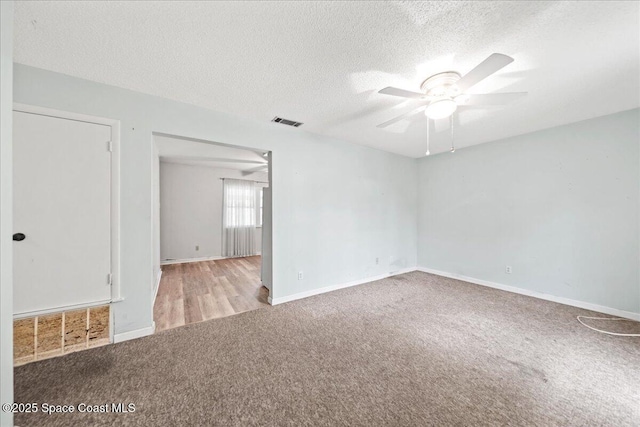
{"x": 441, "y": 84}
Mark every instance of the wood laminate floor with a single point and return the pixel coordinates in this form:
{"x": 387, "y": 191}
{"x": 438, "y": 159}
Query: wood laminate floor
{"x": 197, "y": 291}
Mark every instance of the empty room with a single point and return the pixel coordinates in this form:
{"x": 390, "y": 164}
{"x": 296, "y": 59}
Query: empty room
{"x": 320, "y": 213}
{"x": 208, "y": 231}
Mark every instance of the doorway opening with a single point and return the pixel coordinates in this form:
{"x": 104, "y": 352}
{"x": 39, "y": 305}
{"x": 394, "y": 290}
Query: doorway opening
{"x": 212, "y": 230}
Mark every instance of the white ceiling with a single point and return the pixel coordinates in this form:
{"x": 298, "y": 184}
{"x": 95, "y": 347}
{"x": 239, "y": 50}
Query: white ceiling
{"x": 190, "y": 152}
{"x": 322, "y": 63}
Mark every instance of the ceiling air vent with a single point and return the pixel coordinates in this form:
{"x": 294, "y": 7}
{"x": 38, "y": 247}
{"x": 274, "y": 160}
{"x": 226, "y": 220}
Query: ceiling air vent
{"x": 286, "y": 122}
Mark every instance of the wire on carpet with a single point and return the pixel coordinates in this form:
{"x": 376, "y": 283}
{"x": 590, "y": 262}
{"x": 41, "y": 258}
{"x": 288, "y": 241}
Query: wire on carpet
{"x": 606, "y": 332}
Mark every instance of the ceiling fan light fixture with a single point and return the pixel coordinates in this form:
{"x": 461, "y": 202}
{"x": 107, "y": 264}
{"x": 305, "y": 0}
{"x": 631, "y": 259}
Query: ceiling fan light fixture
{"x": 441, "y": 108}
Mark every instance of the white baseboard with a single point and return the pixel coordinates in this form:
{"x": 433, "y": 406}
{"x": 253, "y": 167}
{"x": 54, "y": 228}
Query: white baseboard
{"x": 318, "y": 291}
{"x": 138, "y": 333}
{"x": 207, "y": 258}
{"x": 186, "y": 260}
{"x": 155, "y": 292}
{"x": 536, "y": 294}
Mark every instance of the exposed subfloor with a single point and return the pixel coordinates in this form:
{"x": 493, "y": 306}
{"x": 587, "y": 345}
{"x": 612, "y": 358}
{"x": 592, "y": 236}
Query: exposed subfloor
{"x": 55, "y": 334}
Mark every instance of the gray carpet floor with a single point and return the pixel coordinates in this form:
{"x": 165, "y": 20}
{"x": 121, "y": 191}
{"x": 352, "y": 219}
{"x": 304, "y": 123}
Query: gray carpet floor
{"x": 412, "y": 350}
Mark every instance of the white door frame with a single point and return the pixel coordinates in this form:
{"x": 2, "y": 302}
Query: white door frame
{"x": 115, "y": 197}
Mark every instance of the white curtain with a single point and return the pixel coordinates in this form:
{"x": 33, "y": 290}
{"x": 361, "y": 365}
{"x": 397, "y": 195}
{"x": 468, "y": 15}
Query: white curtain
{"x": 239, "y": 218}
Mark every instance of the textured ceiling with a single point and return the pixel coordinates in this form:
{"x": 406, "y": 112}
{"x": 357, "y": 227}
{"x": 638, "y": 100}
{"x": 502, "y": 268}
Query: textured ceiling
{"x": 322, "y": 63}
{"x": 189, "y": 152}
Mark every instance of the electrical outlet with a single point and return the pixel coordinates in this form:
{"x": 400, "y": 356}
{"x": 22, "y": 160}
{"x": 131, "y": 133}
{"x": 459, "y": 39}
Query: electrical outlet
{"x": 377, "y": 260}
{"x": 197, "y": 248}
{"x": 508, "y": 269}
{"x": 300, "y": 275}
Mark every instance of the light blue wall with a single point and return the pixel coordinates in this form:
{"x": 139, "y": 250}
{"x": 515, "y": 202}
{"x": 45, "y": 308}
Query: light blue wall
{"x": 560, "y": 206}
{"x": 337, "y": 206}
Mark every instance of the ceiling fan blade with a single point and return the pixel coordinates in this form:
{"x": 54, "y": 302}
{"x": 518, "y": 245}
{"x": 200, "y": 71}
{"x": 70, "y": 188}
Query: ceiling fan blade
{"x": 401, "y": 117}
{"x": 394, "y": 91}
{"x": 262, "y": 168}
{"x": 494, "y": 98}
{"x": 493, "y": 63}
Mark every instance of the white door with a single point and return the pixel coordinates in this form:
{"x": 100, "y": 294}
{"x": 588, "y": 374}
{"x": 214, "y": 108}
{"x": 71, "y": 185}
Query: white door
{"x": 62, "y": 205}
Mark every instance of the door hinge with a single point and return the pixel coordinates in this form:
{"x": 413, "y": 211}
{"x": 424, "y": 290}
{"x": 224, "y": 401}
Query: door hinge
{"x": 109, "y": 279}
{"x": 110, "y": 146}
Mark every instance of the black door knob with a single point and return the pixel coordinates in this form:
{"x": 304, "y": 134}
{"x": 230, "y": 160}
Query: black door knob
{"x": 19, "y": 237}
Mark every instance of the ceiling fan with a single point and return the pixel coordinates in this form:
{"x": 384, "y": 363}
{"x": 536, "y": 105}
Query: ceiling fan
{"x": 445, "y": 93}
{"x": 261, "y": 168}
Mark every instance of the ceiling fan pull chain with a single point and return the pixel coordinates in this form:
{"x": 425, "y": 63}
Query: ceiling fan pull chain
{"x": 453, "y": 149}
{"x": 428, "y": 136}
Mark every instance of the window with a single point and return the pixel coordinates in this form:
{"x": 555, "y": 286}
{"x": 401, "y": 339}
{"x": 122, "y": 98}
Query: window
{"x": 240, "y": 204}
{"x": 239, "y": 217}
